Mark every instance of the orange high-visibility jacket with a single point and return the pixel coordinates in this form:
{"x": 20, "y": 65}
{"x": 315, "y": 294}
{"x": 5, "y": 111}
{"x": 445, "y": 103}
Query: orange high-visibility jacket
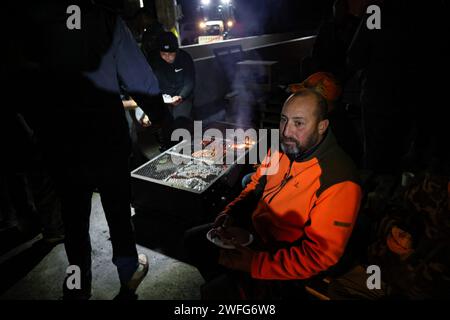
{"x": 310, "y": 203}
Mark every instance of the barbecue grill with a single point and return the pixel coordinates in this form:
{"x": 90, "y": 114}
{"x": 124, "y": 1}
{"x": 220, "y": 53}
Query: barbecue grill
{"x": 189, "y": 183}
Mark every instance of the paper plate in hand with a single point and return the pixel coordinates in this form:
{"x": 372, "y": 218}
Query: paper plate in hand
{"x": 242, "y": 236}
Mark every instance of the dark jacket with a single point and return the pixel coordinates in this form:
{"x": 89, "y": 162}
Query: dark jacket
{"x": 80, "y": 115}
{"x": 178, "y": 78}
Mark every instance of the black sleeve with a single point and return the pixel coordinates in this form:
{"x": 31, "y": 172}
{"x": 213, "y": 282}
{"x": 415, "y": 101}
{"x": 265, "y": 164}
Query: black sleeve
{"x": 132, "y": 68}
{"x": 138, "y": 77}
{"x": 189, "y": 77}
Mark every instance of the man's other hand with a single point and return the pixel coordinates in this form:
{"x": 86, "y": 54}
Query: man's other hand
{"x": 223, "y": 220}
{"x": 145, "y": 121}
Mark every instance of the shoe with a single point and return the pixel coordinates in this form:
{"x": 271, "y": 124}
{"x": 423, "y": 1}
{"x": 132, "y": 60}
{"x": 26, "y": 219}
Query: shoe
{"x": 77, "y": 295}
{"x": 85, "y": 290}
{"x": 139, "y": 274}
{"x": 128, "y": 291}
{"x": 126, "y": 295}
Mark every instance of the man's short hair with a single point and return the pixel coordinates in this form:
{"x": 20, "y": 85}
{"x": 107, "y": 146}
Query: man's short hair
{"x": 322, "y": 104}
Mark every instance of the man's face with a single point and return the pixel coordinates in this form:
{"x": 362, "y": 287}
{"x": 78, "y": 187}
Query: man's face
{"x": 168, "y": 57}
{"x": 300, "y": 128}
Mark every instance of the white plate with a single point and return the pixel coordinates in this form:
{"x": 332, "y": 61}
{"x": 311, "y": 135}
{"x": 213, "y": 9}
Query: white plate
{"x": 167, "y": 98}
{"x": 218, "y": 242}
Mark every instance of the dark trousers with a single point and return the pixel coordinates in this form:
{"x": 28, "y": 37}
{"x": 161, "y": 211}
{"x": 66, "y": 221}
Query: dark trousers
{"x": 75, "y": 185}
{"x": 353, "y": 286}
{"x": 220, "y": 282}
{"x": 183, "y": 110}
{"x": 202, "y": 253}
{"x": 223, "y": 283}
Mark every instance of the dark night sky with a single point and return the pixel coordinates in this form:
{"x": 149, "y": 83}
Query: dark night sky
{"x": 271, "y": 16}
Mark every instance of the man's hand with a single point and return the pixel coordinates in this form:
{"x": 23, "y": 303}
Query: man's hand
{"x": 145, "y": 121}
{"x": 239, "y": 258}
{"x": 142, "y": 118}
{"x": 176, "y": 100}
{"x": 223, "y": 220}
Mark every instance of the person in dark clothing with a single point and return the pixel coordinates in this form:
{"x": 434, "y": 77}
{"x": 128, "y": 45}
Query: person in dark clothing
{"x": 175, "y": 71}
{"x": 329, "y": 51}
{"x": 388, "y": 61}
{"x": 150, "y": 39}
{"x": 82, "y": 128}
{"x": 140, "y": 21}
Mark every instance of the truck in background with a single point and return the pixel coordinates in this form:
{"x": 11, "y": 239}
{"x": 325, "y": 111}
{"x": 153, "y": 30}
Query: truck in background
{"x": 215, "y": 22}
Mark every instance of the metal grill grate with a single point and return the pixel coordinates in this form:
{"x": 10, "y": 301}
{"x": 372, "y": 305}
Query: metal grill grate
{"x": 194, "y": 172}
{"x": 210, "y": 151}
{"x": 159, "y": 168}
{"x": 181, "y": 172}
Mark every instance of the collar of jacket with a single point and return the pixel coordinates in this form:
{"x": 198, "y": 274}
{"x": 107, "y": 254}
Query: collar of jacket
{"x": 318, "y": 151}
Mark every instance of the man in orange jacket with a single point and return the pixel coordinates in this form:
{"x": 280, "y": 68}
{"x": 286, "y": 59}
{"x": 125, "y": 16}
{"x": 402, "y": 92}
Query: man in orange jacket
{"x": 302, "y": 216}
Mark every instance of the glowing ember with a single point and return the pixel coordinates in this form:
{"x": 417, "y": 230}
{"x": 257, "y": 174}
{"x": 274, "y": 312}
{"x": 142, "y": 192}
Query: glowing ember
{"x": 247, "y": 144}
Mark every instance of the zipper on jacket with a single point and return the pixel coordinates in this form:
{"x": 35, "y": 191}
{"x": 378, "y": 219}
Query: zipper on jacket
{"x": 285, "y": 180}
